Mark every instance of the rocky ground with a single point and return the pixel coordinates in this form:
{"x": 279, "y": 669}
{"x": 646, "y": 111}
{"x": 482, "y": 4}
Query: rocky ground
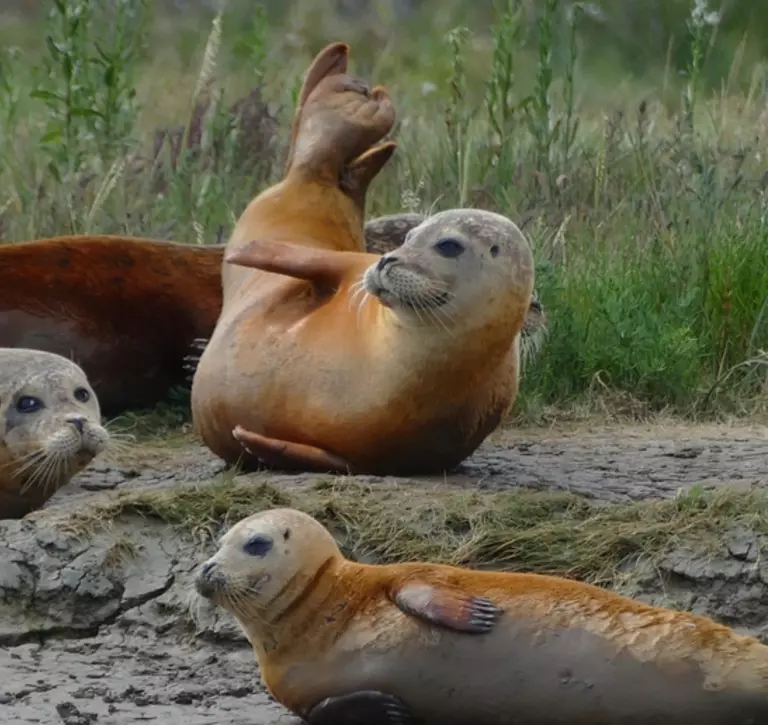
{"x": 99, "y": 630}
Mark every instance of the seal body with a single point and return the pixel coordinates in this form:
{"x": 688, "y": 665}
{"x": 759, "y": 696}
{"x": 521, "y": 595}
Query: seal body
{"x": 50, "y": 427}
{"x": 387, "y": 377}
{"x": 326, "y": 357}
{"x": 134, "y": 312}
{"x": 434, "y": 644}
{"x": 127, "y": 310}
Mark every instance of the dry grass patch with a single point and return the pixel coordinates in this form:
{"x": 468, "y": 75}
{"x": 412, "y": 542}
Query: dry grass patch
{"x": 555, "y": 533}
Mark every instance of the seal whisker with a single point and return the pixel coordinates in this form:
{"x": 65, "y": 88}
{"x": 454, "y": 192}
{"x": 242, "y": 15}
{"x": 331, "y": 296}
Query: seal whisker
{"x": 242, "y": 602}
{"x": 446, "y": 310}
{"x": 117, "y": 447}
{"x": 115, "y": 450}
{"x": 356, "y": 289}
{"x": 59, "y": 470}
{"x": 436, "y": 313}
{"x": 38, "y": 475}
{"x": 22, "y": 465}
{"x": 54, "y": 469}
{"x": 117, "y": 436}
{"x": 418, "y": 303}
{"x": 361, "y": 305}
{"x": 22, "y": 461}
{"x": 414, "y": 304}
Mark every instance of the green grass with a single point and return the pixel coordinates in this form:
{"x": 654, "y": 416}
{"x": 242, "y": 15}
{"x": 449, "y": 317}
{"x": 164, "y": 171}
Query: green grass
{"x": 634, "y": 147}
{"x": 553, "y": 533}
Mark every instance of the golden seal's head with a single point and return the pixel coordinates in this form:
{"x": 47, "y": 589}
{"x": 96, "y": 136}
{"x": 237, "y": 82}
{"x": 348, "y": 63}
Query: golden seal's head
{"x": 50, "y": 424}
{"x": 263, "y": 564}
{"x": 467, "y": 267}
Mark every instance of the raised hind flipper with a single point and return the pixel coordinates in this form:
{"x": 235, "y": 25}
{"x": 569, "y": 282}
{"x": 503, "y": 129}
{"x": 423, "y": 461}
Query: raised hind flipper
{"x": 126, "y": 310}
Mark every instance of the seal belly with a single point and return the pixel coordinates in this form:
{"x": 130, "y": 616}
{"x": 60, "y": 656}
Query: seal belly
{"x": 521, "y": 674}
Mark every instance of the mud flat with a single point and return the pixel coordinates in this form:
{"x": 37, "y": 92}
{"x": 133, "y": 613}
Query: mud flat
{"x": 98, "y": 623}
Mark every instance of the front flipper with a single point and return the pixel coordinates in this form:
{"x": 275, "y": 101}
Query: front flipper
{"x": 290, "y": 456}
{"x": 367, "y": 707}
{"x": 447, "y": 606}
{"x": 321, "y": 266}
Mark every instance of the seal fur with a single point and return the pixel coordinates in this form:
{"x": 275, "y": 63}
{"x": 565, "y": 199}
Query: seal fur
{"x": 126, "y": 309}
{"x": 385, "y": 234}
{"x": 352, "y": 367}
{"x": 317, "y": 361}
{"x": 340, "y": 642}
{"x": 136, "y": 313}
{"x": 50, "y": 427}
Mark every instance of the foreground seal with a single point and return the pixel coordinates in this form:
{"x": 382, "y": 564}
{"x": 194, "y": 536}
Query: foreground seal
{"x": 341, "y": 642}
{"x": 50, "y": 427}
{"x": 329, "y": 358}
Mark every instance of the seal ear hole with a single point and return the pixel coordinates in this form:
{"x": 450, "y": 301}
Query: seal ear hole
{"x": 450, "y": 248}
{"x": 286, "y": 534}
{"x": 29, "y": 404}
{"x": 82, "y": 395}
{"x": 257, "y": 545}
{"x": 495, "y": 250}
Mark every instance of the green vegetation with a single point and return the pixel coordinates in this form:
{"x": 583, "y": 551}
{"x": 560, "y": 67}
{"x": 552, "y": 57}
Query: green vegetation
{"x": 631, "y": 143}
{"x": 551, "y": 533}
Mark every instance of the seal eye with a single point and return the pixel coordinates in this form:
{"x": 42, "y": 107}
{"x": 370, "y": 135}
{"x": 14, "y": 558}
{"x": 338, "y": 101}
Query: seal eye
{"x": 449, "y": 248}
{"x": 82, "y": 395}
{"x": 28, "y": 404}
{"x": 257, "y": 546}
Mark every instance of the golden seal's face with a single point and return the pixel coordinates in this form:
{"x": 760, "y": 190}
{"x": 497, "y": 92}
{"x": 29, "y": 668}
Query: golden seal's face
{"x": 462, "y": 263}
{"x": 51, "y": 423}
{"x": 263, "y": 562}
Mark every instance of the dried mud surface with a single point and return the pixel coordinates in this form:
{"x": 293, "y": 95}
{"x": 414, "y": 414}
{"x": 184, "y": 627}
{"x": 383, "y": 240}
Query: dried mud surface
{"x": 90, "y": 636}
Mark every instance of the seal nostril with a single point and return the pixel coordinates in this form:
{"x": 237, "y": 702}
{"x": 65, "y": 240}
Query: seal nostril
{"x": 78, "y": 422}
{"x": 385, "y": 262}
{"x": 208, "y": 569}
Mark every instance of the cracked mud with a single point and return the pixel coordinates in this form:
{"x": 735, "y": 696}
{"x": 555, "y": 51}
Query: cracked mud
{"x": 89, "y": 634}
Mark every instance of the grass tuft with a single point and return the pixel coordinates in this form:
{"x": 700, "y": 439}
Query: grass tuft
{"x": 552, "y": 533}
